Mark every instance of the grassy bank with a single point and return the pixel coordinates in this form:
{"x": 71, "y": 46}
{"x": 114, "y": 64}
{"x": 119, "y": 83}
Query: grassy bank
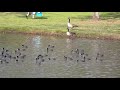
{"x": 55, "y": 23}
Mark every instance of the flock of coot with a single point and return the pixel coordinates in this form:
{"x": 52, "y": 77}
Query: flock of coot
{"x": 19, "y": 55}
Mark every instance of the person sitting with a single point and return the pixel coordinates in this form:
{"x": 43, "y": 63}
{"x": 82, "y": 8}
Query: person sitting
{"x": 30, "y": 13}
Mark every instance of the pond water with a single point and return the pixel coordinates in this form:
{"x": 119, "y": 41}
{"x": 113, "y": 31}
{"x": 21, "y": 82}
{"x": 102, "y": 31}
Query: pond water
{"x": 35, "y": 56}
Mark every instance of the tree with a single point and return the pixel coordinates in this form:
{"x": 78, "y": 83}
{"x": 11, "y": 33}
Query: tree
{"x": 96, "y": 16}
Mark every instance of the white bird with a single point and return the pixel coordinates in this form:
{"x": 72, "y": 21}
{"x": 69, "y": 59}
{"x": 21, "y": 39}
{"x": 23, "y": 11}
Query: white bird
{"x": 69, "y": 25}
{"x": 70, "y": 33}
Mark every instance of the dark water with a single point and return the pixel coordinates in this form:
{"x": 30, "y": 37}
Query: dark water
{"x": 78, "y": 58}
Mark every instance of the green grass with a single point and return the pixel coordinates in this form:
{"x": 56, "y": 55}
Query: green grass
{"x": 56, "y": 22}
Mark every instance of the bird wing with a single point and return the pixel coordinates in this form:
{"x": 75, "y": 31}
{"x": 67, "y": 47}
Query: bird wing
{"x": 75, "y": 25}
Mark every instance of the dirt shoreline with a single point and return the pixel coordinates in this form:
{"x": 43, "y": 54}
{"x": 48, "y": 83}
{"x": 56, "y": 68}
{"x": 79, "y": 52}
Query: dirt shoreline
{"x": 108, "y": 37}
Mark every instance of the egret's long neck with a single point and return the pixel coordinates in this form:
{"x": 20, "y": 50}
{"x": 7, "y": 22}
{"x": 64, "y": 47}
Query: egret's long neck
{"x": 69, "y": 20}
{"x": 68, "y": 30}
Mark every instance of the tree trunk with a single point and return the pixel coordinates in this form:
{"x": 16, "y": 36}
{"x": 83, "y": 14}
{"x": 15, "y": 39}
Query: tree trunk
{"x": 96, "y": 16}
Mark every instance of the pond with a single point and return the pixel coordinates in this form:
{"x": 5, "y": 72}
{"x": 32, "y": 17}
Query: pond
{"x": 36, "y": 56}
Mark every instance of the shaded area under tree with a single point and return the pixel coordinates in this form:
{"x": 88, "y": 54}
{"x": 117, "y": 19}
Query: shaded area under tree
{"x": 110, "y": 15}
{"x": 103, "y": 16}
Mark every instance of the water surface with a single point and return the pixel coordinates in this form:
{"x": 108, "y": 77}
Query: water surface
{"x": 55, "y": 65}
